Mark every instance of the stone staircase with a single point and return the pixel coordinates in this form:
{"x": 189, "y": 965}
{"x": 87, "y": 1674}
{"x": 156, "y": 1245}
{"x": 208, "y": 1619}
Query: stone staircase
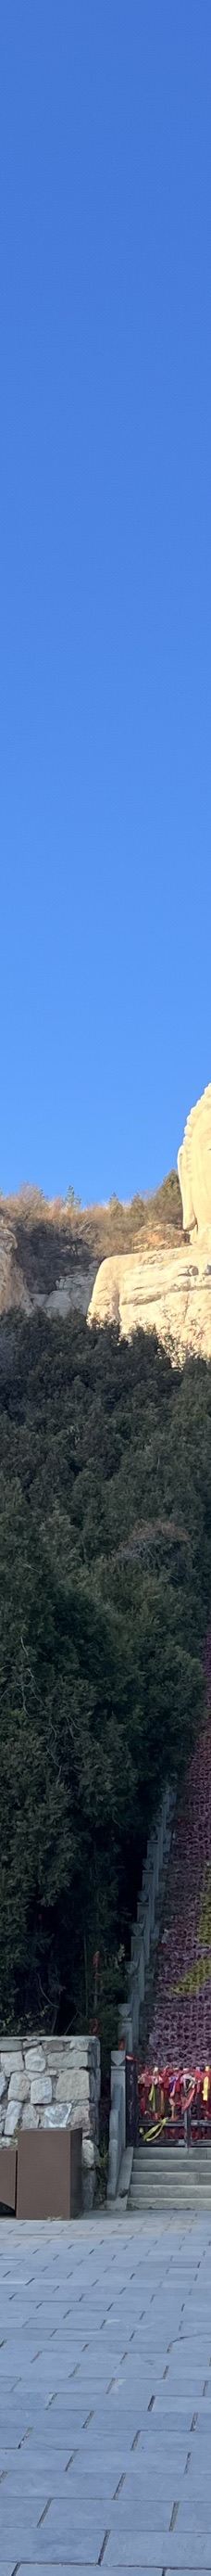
{"x": 179, "y": 2029}
{"x": 170, "y": 2177}
{"x": 175, "y": 2025}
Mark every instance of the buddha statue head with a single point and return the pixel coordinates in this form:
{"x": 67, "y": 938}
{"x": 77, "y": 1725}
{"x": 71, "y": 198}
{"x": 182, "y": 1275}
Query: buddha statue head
{"x": 194, "y": 1166}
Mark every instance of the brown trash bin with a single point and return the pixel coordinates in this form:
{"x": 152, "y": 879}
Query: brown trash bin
{"x": 49, "y": 2182}
{"x": 8, "y": 2178}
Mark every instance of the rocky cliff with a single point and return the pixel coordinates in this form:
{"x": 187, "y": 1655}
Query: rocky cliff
{"x": 147, "y": 1263}
{"x": 163, "y": 1291}
{"x": 166, "y": 1287}
{"x": 50, "y": 1252}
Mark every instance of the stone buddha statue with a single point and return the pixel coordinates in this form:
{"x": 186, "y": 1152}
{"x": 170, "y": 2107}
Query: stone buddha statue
{"x": 194, "y": 1167}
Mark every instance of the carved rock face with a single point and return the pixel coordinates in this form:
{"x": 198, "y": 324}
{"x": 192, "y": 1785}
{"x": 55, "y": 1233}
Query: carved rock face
{"x": 194, "y": 1166}
{"x": 164, "y": 1292}
{"x": 168, "y": 1290}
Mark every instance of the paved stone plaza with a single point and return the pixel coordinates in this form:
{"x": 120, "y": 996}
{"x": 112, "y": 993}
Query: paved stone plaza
{"x": 105, "y": 2395}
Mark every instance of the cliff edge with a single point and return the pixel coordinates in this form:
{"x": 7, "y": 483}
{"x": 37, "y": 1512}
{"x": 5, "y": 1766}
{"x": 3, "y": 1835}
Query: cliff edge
{"x": 50, "y": 1251}
{"x": 168, "y": 1288}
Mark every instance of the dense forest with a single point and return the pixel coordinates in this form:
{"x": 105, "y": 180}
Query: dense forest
{"x": 105, "y": 1583}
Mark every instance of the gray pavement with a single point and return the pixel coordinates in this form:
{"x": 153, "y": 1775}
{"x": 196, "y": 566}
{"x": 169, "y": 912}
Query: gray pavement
{"x": 105, "y": 2395}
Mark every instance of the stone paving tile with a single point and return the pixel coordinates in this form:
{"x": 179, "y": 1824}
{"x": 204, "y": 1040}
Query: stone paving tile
{"x": 18, "y": 2534}
{"x": 105, "y": 2343}
{"x": 140, "y": 2554}
{"x": 72, "y": 2534}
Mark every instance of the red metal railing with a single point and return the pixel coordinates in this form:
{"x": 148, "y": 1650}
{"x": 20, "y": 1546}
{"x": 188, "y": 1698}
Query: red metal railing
{"x": 174, "y": 2103}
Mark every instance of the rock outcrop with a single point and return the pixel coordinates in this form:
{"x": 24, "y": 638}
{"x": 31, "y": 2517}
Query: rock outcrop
{"x": 50, "y": 1252}
{"x": 125, "y": 1264}
{"x": 12, "y": 1288}
{"x": 168, "y": 1290}
{"x": 43, "y": 1271}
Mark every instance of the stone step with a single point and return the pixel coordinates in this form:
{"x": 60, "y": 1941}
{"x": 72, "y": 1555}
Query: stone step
{"x": 170, "y": 2177}
{"x": 157, "y": 2153}
{"x": 171, "y": 2192}
{"x": 194, "y": 2192}
{"x": 178, "y": 2192}
{"x": 171, "y": 2182}
{"x": 177, "y": 2202}
{"x": 164, "y": 2165}
{"x": 172, "y": 2200}
{"x": 174, "y": 2166}
{"x": 169, "y": 2200}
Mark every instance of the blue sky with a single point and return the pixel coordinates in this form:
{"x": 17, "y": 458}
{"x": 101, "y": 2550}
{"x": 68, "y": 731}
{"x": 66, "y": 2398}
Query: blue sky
{"x": 105, "y": 616}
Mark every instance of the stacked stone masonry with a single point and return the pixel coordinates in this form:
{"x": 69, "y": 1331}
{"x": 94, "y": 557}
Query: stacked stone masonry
{"x": 52, "y": 2083}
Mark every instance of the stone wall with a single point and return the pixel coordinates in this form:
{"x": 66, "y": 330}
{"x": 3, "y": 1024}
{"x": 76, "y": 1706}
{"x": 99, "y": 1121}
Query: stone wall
{"x": 52, "y": 2083}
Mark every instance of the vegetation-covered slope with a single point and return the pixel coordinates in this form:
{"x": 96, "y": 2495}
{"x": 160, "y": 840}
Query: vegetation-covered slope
{"x": 105, "y": 1549}
{"x": 43, "y": 1241}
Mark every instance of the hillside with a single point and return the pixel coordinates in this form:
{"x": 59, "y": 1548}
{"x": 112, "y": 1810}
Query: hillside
{"x": 105, "y": 1579}
{"x": 50, "y": 1250}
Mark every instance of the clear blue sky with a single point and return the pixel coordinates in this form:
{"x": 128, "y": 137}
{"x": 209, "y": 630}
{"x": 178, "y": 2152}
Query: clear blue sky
{"x": 105, "y": 484}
